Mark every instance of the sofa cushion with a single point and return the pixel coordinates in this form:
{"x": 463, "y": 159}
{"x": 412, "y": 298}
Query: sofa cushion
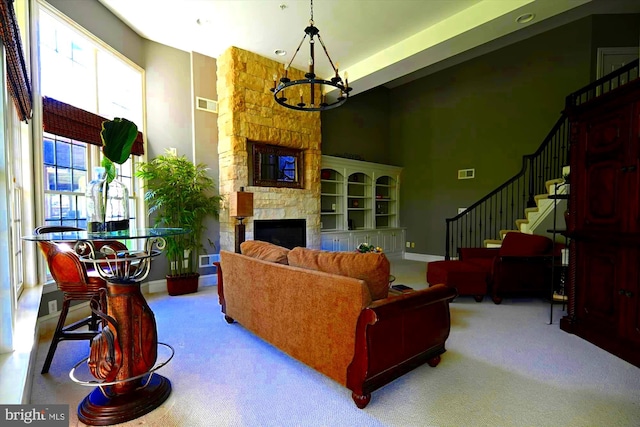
{"x": 265, "y": 251}
{"x": 523, "y": 244}
{"x": 373, "y": 268}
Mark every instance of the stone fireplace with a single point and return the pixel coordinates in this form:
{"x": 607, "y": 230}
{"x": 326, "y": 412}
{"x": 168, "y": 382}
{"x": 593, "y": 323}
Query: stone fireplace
{"x": 248, "y": 112}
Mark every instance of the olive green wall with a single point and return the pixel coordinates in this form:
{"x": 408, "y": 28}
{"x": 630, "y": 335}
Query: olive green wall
{"x": 485, "y": 114}
{"x": 613, "y": 31}
{"x": 359, "y": 128}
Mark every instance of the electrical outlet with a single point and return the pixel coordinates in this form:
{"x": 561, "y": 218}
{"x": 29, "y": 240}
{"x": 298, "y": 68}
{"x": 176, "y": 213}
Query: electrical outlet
{"x": 408, "y": 244}
{"x": 413, "y": 244}
{"x": 53, "y": 306}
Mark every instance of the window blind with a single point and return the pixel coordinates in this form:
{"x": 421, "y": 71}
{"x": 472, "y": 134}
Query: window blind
{"x": 17, "y": 77}
{"x": 72, "y": 122}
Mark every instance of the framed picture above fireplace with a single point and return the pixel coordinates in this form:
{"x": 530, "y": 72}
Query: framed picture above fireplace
{"x": 275, "y": 166}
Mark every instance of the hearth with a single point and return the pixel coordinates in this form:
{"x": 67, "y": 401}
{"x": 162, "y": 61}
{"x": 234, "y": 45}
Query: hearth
{"x": 282, "y": 232}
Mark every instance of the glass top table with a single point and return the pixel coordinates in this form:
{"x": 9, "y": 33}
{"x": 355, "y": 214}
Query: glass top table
{"x": 123, "y": 354}
{"x": 133, "y": 233}
{"x": 114, "y": 261}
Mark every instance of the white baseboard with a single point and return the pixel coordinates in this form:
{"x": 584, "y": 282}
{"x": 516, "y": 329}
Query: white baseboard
{"x": 422, "y": 257}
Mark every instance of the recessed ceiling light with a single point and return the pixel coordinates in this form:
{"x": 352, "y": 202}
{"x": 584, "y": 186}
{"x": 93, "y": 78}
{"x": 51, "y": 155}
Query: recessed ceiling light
{"x": 280, "y": 52}
{"x": 525, "y": 18}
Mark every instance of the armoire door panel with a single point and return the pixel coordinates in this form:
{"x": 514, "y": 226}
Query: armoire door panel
{"x": 607, "y": 134}
{"x": 597, "y": 299}
{"x": 603, "y": 207}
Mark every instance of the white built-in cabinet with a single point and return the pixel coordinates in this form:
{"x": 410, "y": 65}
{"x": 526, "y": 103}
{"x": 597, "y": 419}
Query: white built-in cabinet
{"x": 359, "y": 204}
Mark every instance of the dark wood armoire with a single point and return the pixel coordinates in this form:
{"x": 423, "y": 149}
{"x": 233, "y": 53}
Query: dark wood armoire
{"x": 604, "y": 222}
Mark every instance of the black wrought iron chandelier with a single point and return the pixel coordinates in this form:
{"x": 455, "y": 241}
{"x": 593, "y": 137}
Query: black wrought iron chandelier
{"x": 318, "y": 88}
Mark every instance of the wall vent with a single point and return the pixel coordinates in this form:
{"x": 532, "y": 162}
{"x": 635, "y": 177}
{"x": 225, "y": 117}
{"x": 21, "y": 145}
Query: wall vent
{"x": 205, "y": 104}
{"x": 466, "y": 173}
{"x": 208, "y": 260}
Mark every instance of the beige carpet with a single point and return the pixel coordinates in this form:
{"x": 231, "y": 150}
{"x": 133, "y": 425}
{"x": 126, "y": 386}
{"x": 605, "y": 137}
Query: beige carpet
{"x": 505, "y": 366}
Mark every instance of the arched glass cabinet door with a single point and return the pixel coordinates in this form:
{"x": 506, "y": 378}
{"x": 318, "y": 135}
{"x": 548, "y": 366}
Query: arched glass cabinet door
{"x": 359, "y": 206}
{"x": 331, "y": 200}
{"x": 386, "y": 202}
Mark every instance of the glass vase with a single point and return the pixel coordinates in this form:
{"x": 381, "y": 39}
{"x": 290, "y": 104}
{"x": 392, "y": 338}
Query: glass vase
{"x": 107, "y": 204}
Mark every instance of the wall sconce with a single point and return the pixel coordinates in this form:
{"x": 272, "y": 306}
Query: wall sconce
{"x": 241, "y": 206}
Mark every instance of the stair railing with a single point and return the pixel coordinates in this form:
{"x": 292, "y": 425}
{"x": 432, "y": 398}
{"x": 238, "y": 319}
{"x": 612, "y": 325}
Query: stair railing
{"x": 500, "y": 209}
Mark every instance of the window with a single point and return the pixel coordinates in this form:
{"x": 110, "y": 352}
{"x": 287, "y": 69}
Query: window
{"x": 78, "y": 70}
{"x": 65, "y": 179}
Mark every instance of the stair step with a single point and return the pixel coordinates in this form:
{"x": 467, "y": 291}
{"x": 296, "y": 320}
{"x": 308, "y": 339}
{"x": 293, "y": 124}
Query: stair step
{"x": 504, "y": 232}
{"x": 492, "y": 243}
{"x": 527, "y": 210}
{"x": 540, "y": 197}
{"x": 551, "y": 183}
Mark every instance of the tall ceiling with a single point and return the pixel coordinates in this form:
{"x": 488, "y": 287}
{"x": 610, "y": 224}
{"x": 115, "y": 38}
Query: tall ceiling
{"x": 379, "y": 42}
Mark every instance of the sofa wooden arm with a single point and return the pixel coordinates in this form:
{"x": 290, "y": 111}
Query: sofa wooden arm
{"x": 397, "y": 334}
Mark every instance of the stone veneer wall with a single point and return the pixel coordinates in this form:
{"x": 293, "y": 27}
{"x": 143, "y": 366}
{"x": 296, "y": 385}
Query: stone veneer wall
{"x": 247, "y": 111}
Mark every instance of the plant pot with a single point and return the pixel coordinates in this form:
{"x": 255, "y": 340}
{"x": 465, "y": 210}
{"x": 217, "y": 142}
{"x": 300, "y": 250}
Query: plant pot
{"x": 184, "y": 284}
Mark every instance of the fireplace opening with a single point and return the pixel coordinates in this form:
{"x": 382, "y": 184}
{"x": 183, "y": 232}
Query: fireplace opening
{"x": 282, "y": 232}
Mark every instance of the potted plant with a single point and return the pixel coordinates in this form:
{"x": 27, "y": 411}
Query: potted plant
{"x": 180, "y": 194}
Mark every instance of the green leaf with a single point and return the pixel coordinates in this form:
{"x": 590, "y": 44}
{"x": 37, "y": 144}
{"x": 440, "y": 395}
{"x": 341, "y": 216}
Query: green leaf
{"x": 109, "y": 168}
{"x": 117, "y": 137}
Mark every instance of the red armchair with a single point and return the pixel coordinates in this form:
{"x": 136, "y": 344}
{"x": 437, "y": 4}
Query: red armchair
{"x": 521, "y": 266}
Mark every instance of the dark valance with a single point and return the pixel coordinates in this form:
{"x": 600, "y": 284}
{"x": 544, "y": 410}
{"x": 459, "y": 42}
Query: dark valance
{"x": 17, "y": 77}
{"x": 72, "y": 122}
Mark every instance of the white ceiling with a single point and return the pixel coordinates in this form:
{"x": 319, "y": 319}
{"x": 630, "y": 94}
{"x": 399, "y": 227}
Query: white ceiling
{"x": 379, "y": 42}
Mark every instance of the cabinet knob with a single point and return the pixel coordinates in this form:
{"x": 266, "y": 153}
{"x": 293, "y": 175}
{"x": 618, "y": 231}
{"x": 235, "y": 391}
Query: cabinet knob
{"x": 629, "y": 293}
{"x": 621, "y": 291}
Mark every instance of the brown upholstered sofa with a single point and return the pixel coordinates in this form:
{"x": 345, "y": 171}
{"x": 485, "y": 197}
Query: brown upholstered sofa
{"x": 317, "y": 306}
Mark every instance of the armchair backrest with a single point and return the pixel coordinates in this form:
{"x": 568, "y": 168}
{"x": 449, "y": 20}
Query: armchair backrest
{"x": 69, "y": 273}
{"x": 67, "y": 270}
{"x": 525, "y": 245}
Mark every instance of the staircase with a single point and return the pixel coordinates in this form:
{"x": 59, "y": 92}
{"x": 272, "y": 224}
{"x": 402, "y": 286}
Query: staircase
{"x": 485, "y": 222}
{"x": 539, "y": 219}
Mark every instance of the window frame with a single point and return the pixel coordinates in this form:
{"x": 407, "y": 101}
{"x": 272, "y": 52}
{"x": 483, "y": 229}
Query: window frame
{"x": 93, "y": 158}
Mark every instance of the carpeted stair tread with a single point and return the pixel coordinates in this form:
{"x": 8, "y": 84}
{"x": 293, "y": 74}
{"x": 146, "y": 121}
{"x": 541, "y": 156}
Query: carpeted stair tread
{"x": 504, "y": 232}
{"x": 489, "y": 242}
{"x": 549, "y": 184}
